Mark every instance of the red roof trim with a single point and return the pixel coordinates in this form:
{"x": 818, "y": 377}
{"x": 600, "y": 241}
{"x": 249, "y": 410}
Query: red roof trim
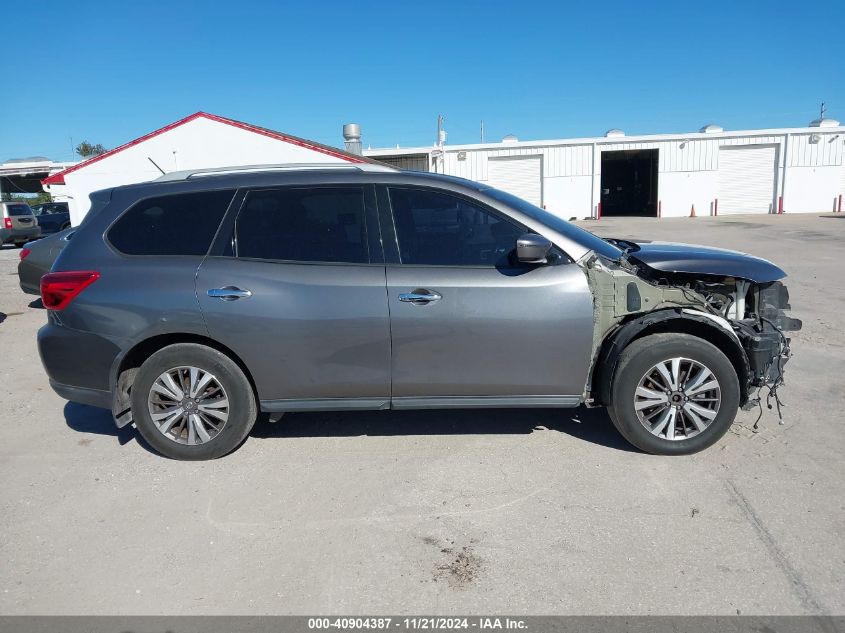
{"x": 59, "y": 177}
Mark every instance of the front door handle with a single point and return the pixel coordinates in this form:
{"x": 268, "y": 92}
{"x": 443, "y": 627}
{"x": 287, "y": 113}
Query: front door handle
{"x": 229, "y": 293}
{"x": 420, "y": 297}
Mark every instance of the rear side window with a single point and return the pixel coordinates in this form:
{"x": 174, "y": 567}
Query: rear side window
{"x": 323, "y": 224}
{"x": 179, "y": 224}
{"x": 19, "y": 209}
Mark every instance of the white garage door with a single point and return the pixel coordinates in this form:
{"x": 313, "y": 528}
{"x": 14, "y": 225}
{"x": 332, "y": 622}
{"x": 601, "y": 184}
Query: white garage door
{"x": 746, "y": 179}
{"x": 520, "y": 175}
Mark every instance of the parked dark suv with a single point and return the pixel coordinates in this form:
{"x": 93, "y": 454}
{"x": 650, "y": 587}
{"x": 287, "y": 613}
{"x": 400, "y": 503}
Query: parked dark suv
{"x": 189, "y": 304}
{"x": 52, "y": 216}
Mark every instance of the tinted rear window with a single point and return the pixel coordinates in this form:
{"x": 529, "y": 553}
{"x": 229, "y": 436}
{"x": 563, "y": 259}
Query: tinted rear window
{"x": 179, "y": 224}
{"x": 323, "y": 224}
{"x": 19, "y": 209}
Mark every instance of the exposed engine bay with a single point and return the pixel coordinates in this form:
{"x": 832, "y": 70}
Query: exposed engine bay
{"x": 632, "y": 296}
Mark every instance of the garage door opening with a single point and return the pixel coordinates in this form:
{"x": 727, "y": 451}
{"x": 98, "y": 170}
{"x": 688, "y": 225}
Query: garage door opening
{"x": 629, "y": 183}
{"x": 411, "y": 162}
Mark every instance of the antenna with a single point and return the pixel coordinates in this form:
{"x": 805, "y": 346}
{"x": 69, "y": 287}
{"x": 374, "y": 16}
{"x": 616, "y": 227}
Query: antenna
{"x": 823, "y": 110}
{"x": 482, "y": 130}
{"x": 156, "y": 165}
{"x": 440, "y": 136}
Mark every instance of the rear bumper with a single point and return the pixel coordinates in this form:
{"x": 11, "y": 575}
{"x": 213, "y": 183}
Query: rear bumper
{"x": 29, "y": 276}
{"x": 19, "y": 235}
{"x": 91, "y": 397}
{"x": 77, "y": 363}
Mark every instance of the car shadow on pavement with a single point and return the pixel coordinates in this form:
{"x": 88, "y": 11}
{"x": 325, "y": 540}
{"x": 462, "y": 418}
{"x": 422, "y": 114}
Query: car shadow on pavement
{"x": 85, "y": 419}
{"x": 590, "y": 425}
{"x": 36, "y": 303}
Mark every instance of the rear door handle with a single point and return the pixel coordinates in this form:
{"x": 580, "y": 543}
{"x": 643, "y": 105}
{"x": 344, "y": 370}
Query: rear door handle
{"x": 229, "y": 293}
{"x": 420, "y": 297}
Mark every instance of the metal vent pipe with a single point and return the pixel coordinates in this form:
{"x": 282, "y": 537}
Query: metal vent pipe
{"x": 352, "y": 138}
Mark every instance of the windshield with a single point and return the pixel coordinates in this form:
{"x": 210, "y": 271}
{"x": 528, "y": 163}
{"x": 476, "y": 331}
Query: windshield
{"x": 576, "y": 234}
{"x": 47, "y": 209}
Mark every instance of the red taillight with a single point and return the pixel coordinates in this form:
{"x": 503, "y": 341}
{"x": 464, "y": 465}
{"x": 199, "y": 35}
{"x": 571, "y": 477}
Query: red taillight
{"x": 7, "y": 222}
{"x": 59, "y": 289}
{"x": 25, "y": 252}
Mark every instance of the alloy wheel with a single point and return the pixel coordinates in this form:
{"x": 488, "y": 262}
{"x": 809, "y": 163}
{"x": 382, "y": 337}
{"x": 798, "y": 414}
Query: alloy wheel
{"x": 677, "y": 399}
{"x": 188, "y": 405}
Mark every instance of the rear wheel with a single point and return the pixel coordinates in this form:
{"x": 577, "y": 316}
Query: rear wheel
{"x": 673, "y": 394}
{"x": 192, "y": 402}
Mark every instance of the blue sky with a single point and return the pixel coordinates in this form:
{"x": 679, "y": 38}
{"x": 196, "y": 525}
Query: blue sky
{"x": 111, "y": 71}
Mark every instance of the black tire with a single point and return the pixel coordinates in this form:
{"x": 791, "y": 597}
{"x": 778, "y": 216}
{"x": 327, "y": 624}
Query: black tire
{"x": 242, "y": 405}
{"x": 643, "y": 354}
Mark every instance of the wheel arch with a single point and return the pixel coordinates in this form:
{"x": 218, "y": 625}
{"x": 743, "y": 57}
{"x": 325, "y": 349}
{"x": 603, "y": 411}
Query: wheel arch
{"x": 129, "y": 363}
{"x": 663, "y": 321}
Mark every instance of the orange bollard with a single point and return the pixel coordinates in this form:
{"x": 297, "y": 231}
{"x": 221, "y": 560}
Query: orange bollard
{"x": 692, "y": 212}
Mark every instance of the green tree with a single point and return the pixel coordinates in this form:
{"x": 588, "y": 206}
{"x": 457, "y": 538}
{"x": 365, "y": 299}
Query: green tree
{"x": 86, "y": 149}
{"x": 41, "y": 196}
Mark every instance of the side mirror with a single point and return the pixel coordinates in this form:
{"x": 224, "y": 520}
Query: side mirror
{"x": 532, "y": 249}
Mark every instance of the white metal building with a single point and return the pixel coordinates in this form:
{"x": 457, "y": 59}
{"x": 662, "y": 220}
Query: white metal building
{"x": 201, "y": 140}
{"x": 793, "y": 170}
{"x": 24, "y": 175}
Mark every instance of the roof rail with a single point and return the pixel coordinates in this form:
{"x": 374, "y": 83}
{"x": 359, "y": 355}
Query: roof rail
{"x": 219, "y": 171}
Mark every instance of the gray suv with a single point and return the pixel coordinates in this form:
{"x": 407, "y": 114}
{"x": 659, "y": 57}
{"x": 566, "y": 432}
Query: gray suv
{"x": 189, "y": 304}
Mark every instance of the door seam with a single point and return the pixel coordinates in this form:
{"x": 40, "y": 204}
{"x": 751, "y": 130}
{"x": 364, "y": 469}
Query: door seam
{"x": 390, "y": 335}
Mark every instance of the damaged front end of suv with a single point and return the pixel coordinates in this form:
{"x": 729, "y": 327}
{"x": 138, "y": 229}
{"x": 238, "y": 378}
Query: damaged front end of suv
{"x": 733, "y": 300}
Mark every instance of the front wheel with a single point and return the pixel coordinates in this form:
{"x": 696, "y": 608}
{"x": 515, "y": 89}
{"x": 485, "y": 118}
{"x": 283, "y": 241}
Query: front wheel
{"x": 192, "y": 402}
{"x": 673, "y": 394}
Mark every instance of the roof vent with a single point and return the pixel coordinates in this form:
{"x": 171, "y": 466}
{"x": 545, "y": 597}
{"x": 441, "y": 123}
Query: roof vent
{"x": 352, "y": 138}
{"x": 824, "y": 123}
{"x": 615, "y": 132}
{"x": 711, "y": 128}
{"x": 510, "y": 138}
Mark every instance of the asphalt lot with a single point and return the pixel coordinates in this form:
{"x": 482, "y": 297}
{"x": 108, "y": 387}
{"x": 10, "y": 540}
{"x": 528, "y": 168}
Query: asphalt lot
{"x": 522, "y": 512}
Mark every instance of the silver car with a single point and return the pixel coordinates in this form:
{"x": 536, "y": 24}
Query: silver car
{"x": 189, "y": 304}
{"x": 18, "y": 224}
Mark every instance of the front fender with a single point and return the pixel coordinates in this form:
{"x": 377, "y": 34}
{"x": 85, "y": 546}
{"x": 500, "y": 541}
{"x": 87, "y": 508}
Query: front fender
{"x": 683, "y": 320}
